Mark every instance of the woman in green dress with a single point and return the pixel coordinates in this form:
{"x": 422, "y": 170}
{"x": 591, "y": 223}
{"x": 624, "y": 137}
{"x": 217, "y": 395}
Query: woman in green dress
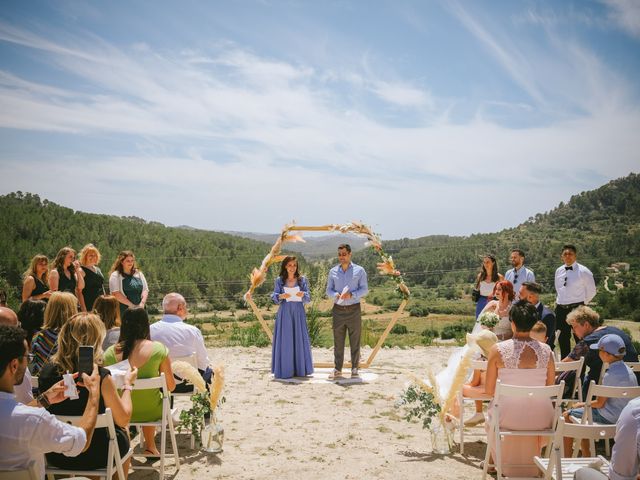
{"x": 151, "y": 359}
{"x": 127, "y": 283}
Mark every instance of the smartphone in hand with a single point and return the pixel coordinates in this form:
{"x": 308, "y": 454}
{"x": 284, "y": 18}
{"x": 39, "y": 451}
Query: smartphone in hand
{"x": 85, "y": 360}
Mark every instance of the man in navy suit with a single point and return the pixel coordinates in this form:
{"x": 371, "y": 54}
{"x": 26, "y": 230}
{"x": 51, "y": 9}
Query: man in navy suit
{"x": 530, "y": 291}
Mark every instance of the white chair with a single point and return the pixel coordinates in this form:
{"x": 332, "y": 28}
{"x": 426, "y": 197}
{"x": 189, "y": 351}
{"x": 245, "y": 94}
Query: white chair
{"x": 577, "y": 384}
{"x": 191, "y": 360}
{"x": 556, "y": 351}
{"x": 635, "y": 366}
{"x": 553, "y": 393}
{"x": 114, "y": 460}
{"x": 595, "y": 391}
{"x": 475, "y": 365}
{"x": 164, "y": 423}
{"x": 28, "y": 473}
{"x": 557, "y": 466}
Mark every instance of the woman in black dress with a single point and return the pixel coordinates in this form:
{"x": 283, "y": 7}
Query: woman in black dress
{"x": 93, "y": 278}
{"x": 64, "y": 276}
{"x": 88, "y": 329}
{"x": 36, "y": 280}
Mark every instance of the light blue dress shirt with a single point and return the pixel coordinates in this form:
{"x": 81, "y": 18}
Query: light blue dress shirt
{"x": 354, "y": 277}
{"x": 524, "y": 275}
{"x": 618, "y": 375}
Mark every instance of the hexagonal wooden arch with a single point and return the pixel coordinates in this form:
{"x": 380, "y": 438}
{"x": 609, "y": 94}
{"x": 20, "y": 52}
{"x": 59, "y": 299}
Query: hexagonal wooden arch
{"x": 386, "y": 267}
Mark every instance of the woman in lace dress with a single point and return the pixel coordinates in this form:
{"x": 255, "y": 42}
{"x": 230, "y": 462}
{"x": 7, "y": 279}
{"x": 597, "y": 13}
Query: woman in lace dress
{"x": 526, "y": 362}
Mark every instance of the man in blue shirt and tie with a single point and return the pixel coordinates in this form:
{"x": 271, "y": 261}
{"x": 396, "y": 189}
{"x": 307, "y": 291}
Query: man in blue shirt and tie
{"x": 346, "y": 285}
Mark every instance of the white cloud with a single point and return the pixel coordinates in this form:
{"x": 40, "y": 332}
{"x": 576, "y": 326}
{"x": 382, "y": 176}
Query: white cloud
{"x": 626, "y": 14}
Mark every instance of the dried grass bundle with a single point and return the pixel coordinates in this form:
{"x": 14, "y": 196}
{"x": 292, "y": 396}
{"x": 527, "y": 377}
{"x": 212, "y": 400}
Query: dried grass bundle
{"x": 218, "y": 385}
{"x": 190, "y": 374}
{"x": 459, "y": 378}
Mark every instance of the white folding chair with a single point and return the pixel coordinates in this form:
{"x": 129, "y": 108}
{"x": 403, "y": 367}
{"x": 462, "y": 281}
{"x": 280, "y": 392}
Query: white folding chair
{"x": 634, "y": 366}
{"x": 164, "y": 423}
{"x": 191, "y": 360}
{"x": 559, "y": 467}
{"x": 475, "y": 365}
{"x": 577, "y": 384}
{"x": 114, "y": 460}
{"x": 553, "y": 393}
{"x": 556, "y": 351}
{"x": 28, "y": 473}
{"x": 595, "y": 391}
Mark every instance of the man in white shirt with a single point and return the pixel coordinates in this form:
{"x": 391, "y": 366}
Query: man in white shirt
{"x": 181, "y": 338}
{"x": 22, "y": 391}
{"x": 28, "y": 433}
{"x": 625, "y": 457}
{"x": 574, "y": 286}
{"x": 519, "y": 274}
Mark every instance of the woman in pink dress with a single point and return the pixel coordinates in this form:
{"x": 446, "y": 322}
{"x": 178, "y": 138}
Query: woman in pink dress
{"x": 526, "y": 362}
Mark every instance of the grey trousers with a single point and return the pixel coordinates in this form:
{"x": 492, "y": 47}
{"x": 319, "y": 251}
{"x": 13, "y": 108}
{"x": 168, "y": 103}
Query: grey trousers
{"x": 346, "y": 319}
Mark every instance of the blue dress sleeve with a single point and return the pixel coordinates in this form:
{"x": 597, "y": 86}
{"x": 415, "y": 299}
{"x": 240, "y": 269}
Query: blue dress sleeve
{"x": 304, "y": 287}
{"x": 277, "y": 290}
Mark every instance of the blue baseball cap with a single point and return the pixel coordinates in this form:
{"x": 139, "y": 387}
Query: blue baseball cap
{"x": 610, "y": 343}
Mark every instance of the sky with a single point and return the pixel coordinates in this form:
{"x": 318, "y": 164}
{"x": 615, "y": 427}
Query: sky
{"x": 415, "y": 117}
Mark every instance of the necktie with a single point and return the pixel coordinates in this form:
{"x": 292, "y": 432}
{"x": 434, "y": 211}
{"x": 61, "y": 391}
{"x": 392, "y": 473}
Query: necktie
{"x": 568, "y": 268}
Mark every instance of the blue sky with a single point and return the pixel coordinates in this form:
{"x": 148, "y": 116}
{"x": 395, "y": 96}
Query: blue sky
{"x": 417, "y": 117}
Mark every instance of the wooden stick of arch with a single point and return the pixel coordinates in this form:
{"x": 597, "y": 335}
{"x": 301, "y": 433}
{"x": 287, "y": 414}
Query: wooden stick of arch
{"x": 258, "y": 277}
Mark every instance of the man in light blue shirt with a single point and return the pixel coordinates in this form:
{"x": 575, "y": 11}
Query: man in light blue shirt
{"x": 519, "y": 274}
{"x": 346, "y": 285}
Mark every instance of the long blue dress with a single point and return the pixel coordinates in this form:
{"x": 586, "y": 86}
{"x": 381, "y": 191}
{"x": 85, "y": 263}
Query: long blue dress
{"x": 291, "y": 351}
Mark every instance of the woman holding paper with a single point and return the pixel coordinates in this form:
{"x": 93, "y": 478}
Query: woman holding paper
{"x": 291, "y": 353}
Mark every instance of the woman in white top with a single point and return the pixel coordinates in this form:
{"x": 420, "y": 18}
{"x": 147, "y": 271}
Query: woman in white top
{"x": 127, "y": 283}
{"x": 486, "y": 281}
{"x": 503, "y": 292}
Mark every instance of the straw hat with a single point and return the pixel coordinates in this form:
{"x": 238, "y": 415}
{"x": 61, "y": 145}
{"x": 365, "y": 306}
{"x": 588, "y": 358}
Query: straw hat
{"x": 484, "y": 340}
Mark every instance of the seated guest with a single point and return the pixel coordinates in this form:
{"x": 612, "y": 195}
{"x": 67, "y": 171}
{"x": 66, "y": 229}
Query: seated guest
{"x": 31, "y": 316}
{"x": 108, "y": 308}
{"x": 625, "y": 456}
{"x": 28, "y": 433}
{"x": 530, "y": 291}
{"x": 181, "y": 338}
{"x": 605, "y": 410}
{"x": 88, "y": 329}
{"x": 22, "y": 390}
{"x": 60, "y": 308}
{"x": 539, "y": 332}
{"x": 150, "y": 358}
{"x": 586, "y": 325}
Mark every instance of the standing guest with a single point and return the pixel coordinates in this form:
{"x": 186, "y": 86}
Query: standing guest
{"x": 503, "y": 292}
{"x": 291, "y": 351}
{"x": 575, "y": 286}
{"x": 127, "y": 283}
{"x": 22, "y": 390}
{"x": 526, "y": 362}
{"x": 625, "y": 456}
{"x": 31, "y": 316}
{"x": 181, "y": 338}
{"x": 93, "y": 278}
{"x": 108, "y": 308}
{"x": 586, "y": 325}
{"x": 35, "y": 285}
{"x": 61, "y": 307}
{"x": 151, "y": 359}
{"x": 519, "y": 274}
{"x": 65, "y": 275}
{"x": 486, "y": 281}
{"x": 28, "y": 433}
{"x": 530, "y": 291}
{"x": 87, "y": 329}
{"x": 346, "y": 285}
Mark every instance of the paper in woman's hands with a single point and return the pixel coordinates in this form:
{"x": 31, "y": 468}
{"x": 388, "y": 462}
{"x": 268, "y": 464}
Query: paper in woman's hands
{"x": 292, "y": 291}
{"x": 118, "y": 371}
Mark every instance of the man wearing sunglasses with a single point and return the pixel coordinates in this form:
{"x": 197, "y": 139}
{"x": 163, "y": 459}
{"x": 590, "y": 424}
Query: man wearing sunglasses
{"x": 519, "y": 274}
{"x": 574, "y": 287}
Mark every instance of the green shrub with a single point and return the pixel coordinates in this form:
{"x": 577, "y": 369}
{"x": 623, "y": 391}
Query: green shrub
{"x": 430, "y": 332}
{"x": 456, "y": 330}
{"x": 400, "y": 329}
{"x": 248, "y": 337}
{"x": 417, "y": 310}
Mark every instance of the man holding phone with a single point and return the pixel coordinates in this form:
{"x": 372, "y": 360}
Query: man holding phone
{"x": 28, "y": 432}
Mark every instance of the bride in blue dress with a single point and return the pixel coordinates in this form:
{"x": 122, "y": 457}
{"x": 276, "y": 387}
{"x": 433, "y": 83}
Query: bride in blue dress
{"x": 291, "y": 353}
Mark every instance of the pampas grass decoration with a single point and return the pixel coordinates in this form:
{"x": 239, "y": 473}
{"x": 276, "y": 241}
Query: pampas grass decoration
{"x": 218, "y": 385}
{"x": 190, "y": 374}
{"x": 458, "y": 380}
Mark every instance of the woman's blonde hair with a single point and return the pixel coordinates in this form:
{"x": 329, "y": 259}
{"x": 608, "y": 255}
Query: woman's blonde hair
{"x": 108, "y": 308}
{"x": 86, "y": 250}
{"x": 61, "y": 307}
{"x": 584, "y": 314}
{"x": 81, "y": 329}
{"x": 31, "y": 271}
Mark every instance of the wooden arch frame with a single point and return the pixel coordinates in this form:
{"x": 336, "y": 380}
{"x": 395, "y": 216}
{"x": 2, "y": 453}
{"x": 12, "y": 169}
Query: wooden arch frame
{"x": 385, "y": 267}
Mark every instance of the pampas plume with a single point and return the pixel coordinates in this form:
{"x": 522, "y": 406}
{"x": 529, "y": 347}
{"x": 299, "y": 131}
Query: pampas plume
{"x": 189, "y": 373}
{"x": 218, "y": 385}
